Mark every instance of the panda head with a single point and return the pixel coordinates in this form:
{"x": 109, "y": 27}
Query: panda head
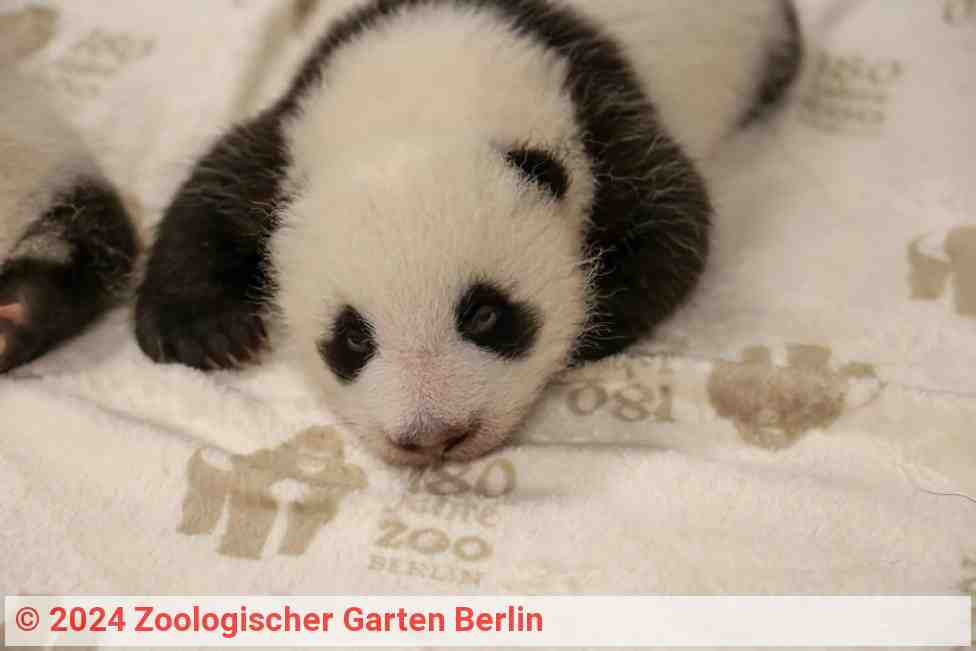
{"x": 433, "y": 289}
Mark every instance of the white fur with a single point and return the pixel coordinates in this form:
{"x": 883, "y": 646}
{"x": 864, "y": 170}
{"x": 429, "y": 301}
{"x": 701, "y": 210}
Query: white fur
{"x": 39, "y": 157}
{"x": 403, "y": 197}
{"x": 701, "y": 62}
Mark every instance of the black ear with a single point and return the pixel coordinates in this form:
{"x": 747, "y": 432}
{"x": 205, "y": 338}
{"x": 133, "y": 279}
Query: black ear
{"x": 542, "y": 168}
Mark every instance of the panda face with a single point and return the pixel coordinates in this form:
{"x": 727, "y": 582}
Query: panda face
{"x": 433, "y": 294}
{"x": 441, "y": 388}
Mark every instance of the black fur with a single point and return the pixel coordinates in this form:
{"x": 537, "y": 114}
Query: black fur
{"x": 542, "y": 168}
{"x": 515, "y": 327}
{"x": 783, "y": 64}
{"x": 206, "y": 280}
{"x": 650, "y": 217}
{"x": 207, "y": 284}
{"x": 62, "y": 299}
{"x": 350, "y": 346}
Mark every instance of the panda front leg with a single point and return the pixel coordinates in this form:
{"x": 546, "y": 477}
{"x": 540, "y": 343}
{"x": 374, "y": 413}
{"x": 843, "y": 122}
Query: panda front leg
{"x": 204, "y": 298}
{"x": 71, "y": 264}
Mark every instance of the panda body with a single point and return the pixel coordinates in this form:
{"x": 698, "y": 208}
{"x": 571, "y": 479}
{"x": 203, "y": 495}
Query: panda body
{"x": 67, "y": 245}
{"x": 457, "y": 199}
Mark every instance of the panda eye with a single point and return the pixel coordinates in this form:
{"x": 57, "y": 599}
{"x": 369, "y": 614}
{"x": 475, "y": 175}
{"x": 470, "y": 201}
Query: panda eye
{"x": 488, "y": 318}
{"x": 349, "y": 346}
{"x": 358, "y": 342}
{"x": 542, "y": 168}
{"x": 483, "y": 320}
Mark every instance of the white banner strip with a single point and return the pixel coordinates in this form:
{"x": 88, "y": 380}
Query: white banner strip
{"x": 488, "y": 621}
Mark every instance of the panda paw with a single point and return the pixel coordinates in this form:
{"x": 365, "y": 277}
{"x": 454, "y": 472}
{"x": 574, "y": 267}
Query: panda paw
{"x": 206, "y": 335}
{"x": 37, "y": 311}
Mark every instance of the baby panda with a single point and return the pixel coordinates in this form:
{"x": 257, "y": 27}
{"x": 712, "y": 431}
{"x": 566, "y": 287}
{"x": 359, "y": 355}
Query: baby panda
{"x": 67, "y": 246}
{"x": 455, "y": 200}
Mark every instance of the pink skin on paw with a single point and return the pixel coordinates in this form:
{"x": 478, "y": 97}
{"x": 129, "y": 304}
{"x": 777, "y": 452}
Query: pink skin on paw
{"x": 14, "y": 312}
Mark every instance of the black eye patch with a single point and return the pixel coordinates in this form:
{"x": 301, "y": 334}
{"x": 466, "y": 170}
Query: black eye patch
{"x": 489, "y": 319}
{"x": 542, "y": 168}
{"x": 350, "y": 346}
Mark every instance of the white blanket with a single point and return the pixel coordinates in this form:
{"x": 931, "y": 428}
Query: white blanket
{"x": 806, "y": 425}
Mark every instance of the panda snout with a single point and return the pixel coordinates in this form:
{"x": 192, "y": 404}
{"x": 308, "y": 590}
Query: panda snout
{"x": 432, "y": 437}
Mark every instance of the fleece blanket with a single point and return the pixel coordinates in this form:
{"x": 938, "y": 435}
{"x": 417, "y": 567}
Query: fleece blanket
{"x": 807, "y": 425}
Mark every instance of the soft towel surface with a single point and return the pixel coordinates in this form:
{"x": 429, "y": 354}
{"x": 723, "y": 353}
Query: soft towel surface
{"x": 806, "y": 425}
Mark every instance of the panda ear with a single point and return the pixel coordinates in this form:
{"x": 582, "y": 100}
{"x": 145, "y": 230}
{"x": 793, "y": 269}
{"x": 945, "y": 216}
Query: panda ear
{"x": 542, "y": 168}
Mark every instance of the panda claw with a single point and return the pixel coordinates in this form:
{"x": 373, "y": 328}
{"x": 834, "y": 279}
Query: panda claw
{"x": 206, "y": 336}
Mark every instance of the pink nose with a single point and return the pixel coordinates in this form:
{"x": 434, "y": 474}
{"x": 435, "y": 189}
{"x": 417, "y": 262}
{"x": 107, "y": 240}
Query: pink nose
{"x": 416, "y": 440}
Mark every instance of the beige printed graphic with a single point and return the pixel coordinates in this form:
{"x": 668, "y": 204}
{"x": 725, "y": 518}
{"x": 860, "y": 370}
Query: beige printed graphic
{"x": 773, "y": 406}
{"x": 960, "y": 12}
{"x": 311, "y": 465}
{"x": 444, "y": 525}
{"x": 89, "y": 65}
{"x": 24, "y": 32}
{"x": 934, "y": 262}
{"x": 631, "y": 388}
{"x": 850, "y": 93}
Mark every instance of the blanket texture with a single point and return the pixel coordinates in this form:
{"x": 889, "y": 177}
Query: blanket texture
{"x": 807, "y": 425}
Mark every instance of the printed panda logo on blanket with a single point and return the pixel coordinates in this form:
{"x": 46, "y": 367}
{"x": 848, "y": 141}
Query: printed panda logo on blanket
{"x": 937, "y": 260}
{"x": 25, "y": 32}
{"x": 773, "y": 406}
{"x": 304, "y": 479}
{"x": 960, "y": 12}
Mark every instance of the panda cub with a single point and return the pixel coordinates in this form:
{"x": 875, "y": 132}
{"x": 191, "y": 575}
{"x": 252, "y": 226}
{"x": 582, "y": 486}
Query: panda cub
{"x": 67, "y": 246}
{"x": 457, "y": 199}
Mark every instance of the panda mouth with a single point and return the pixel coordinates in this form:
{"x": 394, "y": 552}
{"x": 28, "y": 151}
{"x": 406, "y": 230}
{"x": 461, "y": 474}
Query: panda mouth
{"x": 456, "y": 444}
{"x": 414, "y": 454}
{"x": 458, "y": 440}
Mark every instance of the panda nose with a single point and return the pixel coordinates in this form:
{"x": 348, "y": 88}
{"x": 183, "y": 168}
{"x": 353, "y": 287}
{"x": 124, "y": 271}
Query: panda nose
{"x": 420, "y": 440}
